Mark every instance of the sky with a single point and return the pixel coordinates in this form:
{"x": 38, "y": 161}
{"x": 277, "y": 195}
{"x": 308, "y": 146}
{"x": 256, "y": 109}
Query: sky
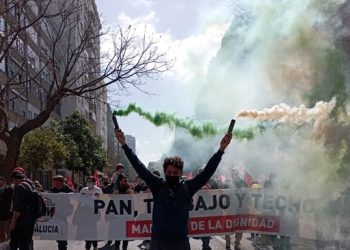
{"x": 191, "y": 32}
{"x": 275, "y": 52}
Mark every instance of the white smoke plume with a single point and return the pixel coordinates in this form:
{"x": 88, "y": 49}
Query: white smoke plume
{"x": 299, "y": 115}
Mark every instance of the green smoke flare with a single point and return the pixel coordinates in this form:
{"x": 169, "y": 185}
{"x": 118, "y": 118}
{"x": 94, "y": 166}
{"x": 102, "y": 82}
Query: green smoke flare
{"x": 196, "y": 130}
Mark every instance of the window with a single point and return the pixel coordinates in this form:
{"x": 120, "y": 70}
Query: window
{"x": 2, "y": 65}
{"x": 57, "y": 67}
{"x": 44, "y": 50}
{"x": 2, "y": 26}
{"x": 38, "y": 93}
{"x": 29, "y": 86}
{"x": 19, "y": 46}
{"x": 45, "y": 75}
{"x": 34, "y": 7}
{"x": 46, "y": 27}
{"x": 14, "y": 10}
{"x": 32, "y": 58}
{"x": 32, "y": 34}
{"x": 44, "y": 96}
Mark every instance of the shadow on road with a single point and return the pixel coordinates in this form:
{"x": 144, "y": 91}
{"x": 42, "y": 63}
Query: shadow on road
{"x": 108, "y": 246}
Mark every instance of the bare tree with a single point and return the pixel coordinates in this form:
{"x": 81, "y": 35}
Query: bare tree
{"x": 50, "y": 50}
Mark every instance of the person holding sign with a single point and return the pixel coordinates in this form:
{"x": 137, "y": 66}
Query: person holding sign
{"x": 172, "y": 197}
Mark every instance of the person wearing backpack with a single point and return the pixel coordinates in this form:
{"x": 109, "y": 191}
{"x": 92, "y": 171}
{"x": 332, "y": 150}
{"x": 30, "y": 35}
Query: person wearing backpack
{"x": 172, "y": 197}
{"x": 23, "y": 220}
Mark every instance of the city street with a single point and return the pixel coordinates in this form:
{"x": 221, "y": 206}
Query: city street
{"x": 216, "y": 243}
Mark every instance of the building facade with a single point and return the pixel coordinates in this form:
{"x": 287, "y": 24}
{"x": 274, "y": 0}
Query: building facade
{"x": 121, "y": 157}
{"x": 26, "y": 69}
{"x": 34, "y": 52}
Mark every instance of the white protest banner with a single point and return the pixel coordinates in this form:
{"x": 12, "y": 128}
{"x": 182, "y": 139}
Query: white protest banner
{"x": 212, "y": 212}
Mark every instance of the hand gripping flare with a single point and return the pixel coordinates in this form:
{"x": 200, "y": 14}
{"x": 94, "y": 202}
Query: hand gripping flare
{"x": 116, "y": 125}
{"x": 230, "y": 128}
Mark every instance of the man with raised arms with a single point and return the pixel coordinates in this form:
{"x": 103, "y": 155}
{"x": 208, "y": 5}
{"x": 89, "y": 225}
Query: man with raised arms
{"x": 172, "y": 198}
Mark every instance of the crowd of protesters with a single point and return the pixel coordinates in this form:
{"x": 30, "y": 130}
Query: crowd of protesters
{"x": 17, "y": 222}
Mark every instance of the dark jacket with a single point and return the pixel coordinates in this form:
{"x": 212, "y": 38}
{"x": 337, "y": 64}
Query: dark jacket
{"x": 5, "y": 202}
{"x": 22, "y": 203}
{"x": 108, "y": 189}
{"x": 65, "y": 189}
{"x": 171, "y": 204}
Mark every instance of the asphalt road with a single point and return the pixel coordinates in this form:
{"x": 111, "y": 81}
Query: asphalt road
{"x": 217, "y": 243}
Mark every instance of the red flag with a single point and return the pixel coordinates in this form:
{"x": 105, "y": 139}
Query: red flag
{"x": 189, "y": 175}
{"x": 221, "y": 178}
{"x": 70, "y": 183}
{"x": 248, "y": 179}
{"x": 97, "y": 179}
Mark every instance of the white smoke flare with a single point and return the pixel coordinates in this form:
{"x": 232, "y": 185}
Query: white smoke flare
{"x": 299, "y": 115}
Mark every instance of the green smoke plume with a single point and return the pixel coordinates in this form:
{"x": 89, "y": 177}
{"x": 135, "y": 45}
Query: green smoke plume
{"x": 196, "y": 130}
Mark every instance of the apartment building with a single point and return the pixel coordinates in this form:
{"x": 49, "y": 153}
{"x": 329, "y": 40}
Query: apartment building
{"x": 35, "y": 60}
{"x": 121, "y": 157}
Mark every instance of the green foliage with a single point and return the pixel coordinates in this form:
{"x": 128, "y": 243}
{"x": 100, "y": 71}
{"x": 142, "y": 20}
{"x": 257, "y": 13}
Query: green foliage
{"x": 71, "y": 142}
{"x": 41, "y": 149}
{"x": 86, "y": 151}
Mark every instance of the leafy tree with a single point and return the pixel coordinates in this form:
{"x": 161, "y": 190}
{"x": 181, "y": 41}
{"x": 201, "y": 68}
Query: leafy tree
{"x": 70, "y": 62}
{"x": 41, "y": 149}
{"x": 85, "y": 146}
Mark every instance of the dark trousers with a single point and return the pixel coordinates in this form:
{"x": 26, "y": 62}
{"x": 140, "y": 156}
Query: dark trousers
{"x": 62, "y": 244}
{"x": 124, "y": 246}
{"x": 88, "y": 244}
{"x": 157, "y": 244}
{"x": 21, "y": 237}
{"x": 205, "y": 243}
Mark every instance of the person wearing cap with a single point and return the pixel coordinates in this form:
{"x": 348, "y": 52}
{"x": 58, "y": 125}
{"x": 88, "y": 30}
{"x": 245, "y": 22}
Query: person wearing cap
{"x": 5, "y": 209}
{"x": 58, "y": 186}
{"x": 92, "y": 189}
{"x": 19, "y": 169}
{"x": 172, "y": 198}
{"x": 22, "y": 221}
